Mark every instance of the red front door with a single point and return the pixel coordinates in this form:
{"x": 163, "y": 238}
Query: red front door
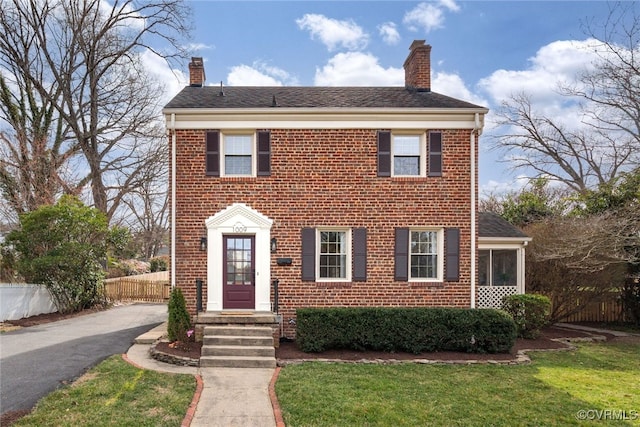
{"x": 238, "y": 290}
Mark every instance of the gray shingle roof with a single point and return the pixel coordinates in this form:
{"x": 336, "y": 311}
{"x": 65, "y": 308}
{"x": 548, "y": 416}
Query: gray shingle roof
{"x": 311, "y": 97}
{"x": 492, "y": 225}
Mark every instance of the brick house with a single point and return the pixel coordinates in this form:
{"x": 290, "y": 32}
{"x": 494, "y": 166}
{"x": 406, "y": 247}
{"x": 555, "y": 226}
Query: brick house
{"x": 336, "y": 196}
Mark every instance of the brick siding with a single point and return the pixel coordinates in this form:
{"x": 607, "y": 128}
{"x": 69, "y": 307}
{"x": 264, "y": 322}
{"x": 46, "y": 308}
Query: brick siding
{"x": 328, "y": 178}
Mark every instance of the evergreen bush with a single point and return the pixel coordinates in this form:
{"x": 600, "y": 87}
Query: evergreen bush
{"x": 413, "y": 330}
{"x": 179, "y": 322}
{"x": 530, "y": 313}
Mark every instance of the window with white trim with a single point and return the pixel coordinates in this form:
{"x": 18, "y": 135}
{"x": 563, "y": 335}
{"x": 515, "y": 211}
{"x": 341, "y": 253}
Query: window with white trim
{"x": 498, "y": 267}
{"x": 408, "y": 155}
{"x": 333, "y": 261}
{"x": 238, "y": 154}
{"x": 426, "y": 255}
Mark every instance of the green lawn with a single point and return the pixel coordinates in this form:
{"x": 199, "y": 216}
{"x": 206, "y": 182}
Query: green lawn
{"x": 115, "y": 393}
{"x": 551, "y": 392}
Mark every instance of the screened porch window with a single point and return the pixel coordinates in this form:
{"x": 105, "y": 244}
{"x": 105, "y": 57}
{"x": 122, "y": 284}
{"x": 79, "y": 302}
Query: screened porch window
{"x": 498, "y": 267}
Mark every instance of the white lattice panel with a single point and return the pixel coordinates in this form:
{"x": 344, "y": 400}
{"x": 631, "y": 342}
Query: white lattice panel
{"x": 491, "y": 296}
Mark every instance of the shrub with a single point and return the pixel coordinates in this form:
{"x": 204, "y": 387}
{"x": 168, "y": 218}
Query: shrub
{"x": 158, "y": 264}
{"x": 413, "y": 330}
{"x": 62, "y": 247}
{"x": 529, "y": 312}
{"x": 631, "y": 300}
{"x": 179, "y": 322}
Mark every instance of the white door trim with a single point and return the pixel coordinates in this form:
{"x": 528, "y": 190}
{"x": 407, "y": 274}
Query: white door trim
{"x": 239, "y": 219}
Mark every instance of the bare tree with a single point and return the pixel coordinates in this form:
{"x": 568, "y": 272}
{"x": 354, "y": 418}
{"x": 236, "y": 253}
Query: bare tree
{"x": 608, "y": 93}
{"x": 34, "y": 146}
{"x": 580, "y": 159}
{"x": 611, "y": 90}
{"x": 91, "y": 69}
{"x": 147, "y": 213}
{"x": 575, "y": 260}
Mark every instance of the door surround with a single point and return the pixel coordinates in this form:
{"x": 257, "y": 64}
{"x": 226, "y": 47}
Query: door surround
{"x": 239, "y": 219}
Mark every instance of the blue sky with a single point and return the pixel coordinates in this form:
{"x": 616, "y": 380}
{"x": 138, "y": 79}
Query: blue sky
{"x": 482, "y": 51}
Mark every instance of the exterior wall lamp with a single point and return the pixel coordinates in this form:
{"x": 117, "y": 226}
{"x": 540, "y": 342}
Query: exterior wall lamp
{"x": 203, "y": 244}
{"x": 274, "y": 245}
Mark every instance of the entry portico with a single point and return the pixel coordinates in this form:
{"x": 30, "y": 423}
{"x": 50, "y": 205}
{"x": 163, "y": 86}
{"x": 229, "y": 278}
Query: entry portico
{"x": 238, "y": 260}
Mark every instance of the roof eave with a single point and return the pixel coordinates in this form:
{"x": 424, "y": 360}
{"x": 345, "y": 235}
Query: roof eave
{"x": 497, "y": 239}
{"x": 320, "y": 111}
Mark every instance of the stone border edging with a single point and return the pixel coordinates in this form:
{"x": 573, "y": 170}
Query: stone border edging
{"x": 171, "y": 358}
{"x": 521, "y": 356}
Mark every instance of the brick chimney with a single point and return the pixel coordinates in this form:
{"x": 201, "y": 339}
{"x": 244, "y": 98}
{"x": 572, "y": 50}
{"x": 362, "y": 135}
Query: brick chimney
{"x": 417, "y": 67}
{"x": 196, "y": 72}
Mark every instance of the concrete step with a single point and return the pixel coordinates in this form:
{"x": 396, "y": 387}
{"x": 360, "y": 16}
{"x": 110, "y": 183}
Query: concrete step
{"x": 224, "y": 318}
{"x": 253, "y": 331}
{"x": 237, "y": 362}
{"x": 209, "y": 340}
{"x": 237, "y": 350}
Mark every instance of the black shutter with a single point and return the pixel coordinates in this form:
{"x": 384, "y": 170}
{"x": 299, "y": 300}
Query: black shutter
{"x": 264, "y": 153}
{"x": 452, "y": 250}
{"x": 360, "y": 255}
{"x": 402, "y": 255}
{"x": 435, "y": 153}
{"x": 384, "y": 153}
{"x": 309, "y": 254}
{"x": 212, "y": 161}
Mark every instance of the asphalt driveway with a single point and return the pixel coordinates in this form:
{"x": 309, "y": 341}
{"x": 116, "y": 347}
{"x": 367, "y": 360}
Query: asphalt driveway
{"x": 35, "y": 361}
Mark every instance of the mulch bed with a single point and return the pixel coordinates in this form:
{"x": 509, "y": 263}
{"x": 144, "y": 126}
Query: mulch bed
{"x": 190, "y": 350}
{"x": 289, "y": 351}
{"x": 51, "y": 317}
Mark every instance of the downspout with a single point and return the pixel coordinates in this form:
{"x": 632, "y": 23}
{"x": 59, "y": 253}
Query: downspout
{"x": 173, "y": 200}
{"x": 477, "y": 129}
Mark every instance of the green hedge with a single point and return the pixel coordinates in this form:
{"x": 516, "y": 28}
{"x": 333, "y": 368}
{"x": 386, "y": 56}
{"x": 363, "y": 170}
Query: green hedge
{"x": 413, "y": 330}
{"x": 530, "y": 313}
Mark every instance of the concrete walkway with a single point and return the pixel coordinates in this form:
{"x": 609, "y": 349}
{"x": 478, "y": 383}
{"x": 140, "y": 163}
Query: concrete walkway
{"x": 230, "y": 396}
{"x": 595, "y": 330}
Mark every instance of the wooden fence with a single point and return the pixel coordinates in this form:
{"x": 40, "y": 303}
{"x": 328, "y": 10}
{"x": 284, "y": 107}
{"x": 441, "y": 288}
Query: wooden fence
{"x": 127, "y": 289}
{"x": 608, "y": 308}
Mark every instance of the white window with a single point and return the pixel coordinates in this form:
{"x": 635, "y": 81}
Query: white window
{"x": 426, "y": 255}
{"x": 238, "y": 155}
{"x": 498, "y": 267}
{"x": 408, "y": 153}
{"x": 334, "y": 255}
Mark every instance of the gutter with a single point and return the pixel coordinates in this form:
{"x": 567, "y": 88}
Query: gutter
{"x": 172, "y": 128}
{"x": 477, "y": 128}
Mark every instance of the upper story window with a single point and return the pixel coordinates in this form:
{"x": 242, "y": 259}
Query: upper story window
{"x": 409, "y": 154}
{"x": 238, "y": 154}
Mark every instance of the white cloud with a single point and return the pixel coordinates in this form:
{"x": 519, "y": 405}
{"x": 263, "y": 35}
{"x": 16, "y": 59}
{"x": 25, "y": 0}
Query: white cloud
{"x": 429, "y": 16}
{"x": 503, "y": 187}
{"x": 173, "y": 80}
{"x": 453, "y": 85}
{"x": 259, "y": 74}
{"x": 389, "y": 33}
{"x": 195, "y": 47}
{"x": 558, "y": 63}
{"x": 357, "y": 69}
{"x": 333, "y": 33}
